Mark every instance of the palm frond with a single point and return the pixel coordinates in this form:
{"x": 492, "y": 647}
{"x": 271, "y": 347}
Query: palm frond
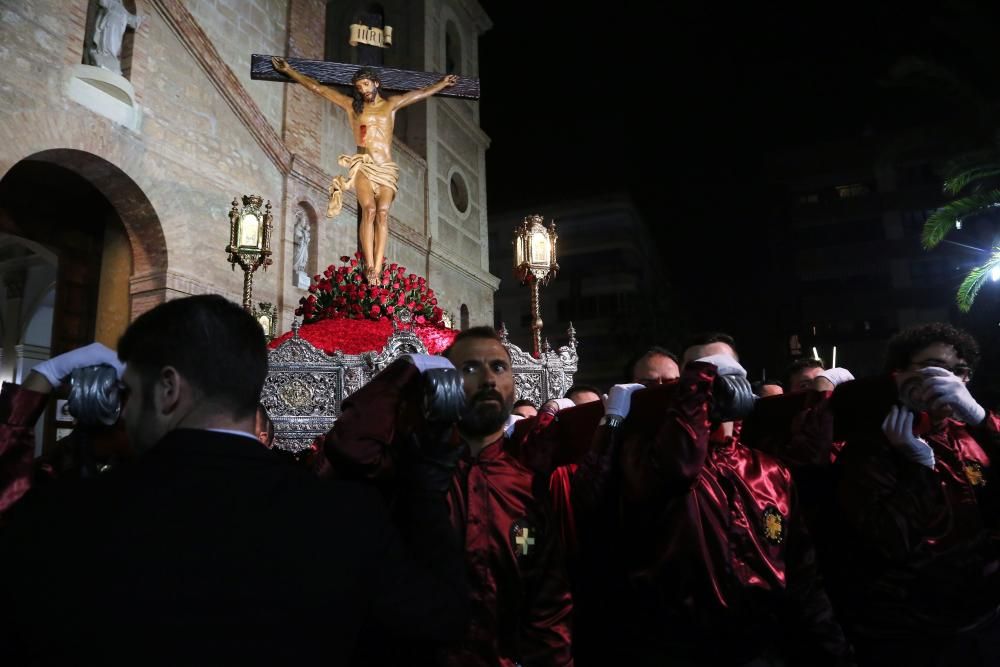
{"x": 943, "y": 220}
{"x": 973, "y": 282}
{"x": 960, "y": 180}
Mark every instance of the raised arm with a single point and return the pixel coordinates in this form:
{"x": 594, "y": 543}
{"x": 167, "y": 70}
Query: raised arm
{"x": 338, "y": 98}
{"x": 406, "y": 99}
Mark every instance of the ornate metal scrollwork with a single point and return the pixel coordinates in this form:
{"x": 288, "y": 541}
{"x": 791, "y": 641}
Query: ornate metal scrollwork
{"x": 305, "y": 386}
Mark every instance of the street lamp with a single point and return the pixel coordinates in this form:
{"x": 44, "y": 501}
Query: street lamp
{"x": 249, "y": 240}
{"x": 535, "y": 265}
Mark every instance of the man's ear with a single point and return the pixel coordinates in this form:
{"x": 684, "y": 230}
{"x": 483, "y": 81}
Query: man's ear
{"x": 168, "y": 390}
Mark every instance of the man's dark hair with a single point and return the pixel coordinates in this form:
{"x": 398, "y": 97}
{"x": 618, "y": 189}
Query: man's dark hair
{"x": 524, "y": 402}
{"x": 364, "y": 73}
{"x": 760, "y": 384}
{"x": 802, "y": 364}
{"x": 629, "y": 371}
{"x": 906, "y": 343}
{"x": 709, "y": 337}
{"x": 581, "y": 387}
{"x": 218, "y": 347}
{"x": 487, "y": 333}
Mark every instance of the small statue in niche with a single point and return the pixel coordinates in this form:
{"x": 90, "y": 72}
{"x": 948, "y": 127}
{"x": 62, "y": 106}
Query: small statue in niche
{"x": 109, "y": 29}
{"x": 300, "y": 254}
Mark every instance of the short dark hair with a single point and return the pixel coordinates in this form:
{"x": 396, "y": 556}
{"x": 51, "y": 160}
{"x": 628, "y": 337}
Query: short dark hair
{"x": 581, "y": 387}
{"x": 709, "y": 337}
{"x": 906, "y": 343}
{"x": 757, "y": 386}
{"x": 486, "y": 333}
{"x": 524, "y": 402}
{"x": 629, "y": 372}
{"x": 218, "y": 347}
{"x": 801, "y": 365}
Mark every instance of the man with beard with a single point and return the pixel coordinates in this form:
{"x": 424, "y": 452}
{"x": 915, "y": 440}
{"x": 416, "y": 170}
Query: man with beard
{"x": 371, "y": 171}
{"x": 521, "y": 603}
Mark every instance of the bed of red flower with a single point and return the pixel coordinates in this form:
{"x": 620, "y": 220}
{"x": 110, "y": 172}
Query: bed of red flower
{"x": 342, "y": 312}
{"x": 358, "y": 336}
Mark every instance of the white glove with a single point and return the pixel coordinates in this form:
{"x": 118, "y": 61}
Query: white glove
{"x": 425, "y": 362}
{"x": 944, "y": 388}
{"x": 58, "y": 368}
{"x": 556, "y": 404}
{"x": 619, "y": 399}
{"x": 898, "y": 428}
{"x": 724, "y": 364}
{"x": 837, "y": 376}
{"x": 508, "y": 426}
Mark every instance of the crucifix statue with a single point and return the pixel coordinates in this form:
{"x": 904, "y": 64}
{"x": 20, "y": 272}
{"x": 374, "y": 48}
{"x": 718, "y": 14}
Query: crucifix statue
{"x": 371, "y": 172}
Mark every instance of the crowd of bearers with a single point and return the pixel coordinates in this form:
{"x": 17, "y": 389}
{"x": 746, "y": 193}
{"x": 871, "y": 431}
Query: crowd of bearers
{"x": 683, "y": 517}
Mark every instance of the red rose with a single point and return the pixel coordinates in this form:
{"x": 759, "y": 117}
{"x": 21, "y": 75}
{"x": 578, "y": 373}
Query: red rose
{"x": 312, "y": 298}
{"x": 375, "y": 310}
{"x": 420, "y": 319}
{"x": 390, "y": 309}
{"x": 344, "y": 258}
{"x": 354, "y": 262}
{"x": 357, "y": 278}
{"x": 357, "y": 253}
{"x": 401, "y": 271}
{"x": 421, "y": 281}
{"x": 395, "y": 285}
{"x": 434, "y": 302}
{"x": 401, "y": 300}
{"x": 412, "y": 305}
{"x": 381, "y": 300}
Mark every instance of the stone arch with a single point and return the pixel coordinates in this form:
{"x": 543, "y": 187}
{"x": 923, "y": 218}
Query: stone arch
{"x": 141, "y": 230}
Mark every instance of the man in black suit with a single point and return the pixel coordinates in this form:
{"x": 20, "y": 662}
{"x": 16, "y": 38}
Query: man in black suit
{"x": 210, "y": 548}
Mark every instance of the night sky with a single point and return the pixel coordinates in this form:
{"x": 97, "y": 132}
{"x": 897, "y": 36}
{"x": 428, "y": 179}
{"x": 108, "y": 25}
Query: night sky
{"x": 681, "y": 109}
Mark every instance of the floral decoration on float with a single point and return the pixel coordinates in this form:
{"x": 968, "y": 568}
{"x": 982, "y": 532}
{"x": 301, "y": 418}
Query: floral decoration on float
{"x": 342, "y": 312}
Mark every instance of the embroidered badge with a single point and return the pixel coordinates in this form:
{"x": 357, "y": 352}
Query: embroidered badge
{"x": 974, "y": 473}
{"x": 773, "y": 525}
{"x": 522, "y": 538}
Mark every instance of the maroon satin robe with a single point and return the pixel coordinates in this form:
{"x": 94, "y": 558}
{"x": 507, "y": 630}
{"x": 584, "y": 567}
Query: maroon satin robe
{"x": 520, "y": 592}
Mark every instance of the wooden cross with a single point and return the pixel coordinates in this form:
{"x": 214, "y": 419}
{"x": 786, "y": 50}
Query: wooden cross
{"x": 339, "y": 74}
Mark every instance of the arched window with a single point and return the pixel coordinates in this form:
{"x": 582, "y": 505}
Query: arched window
{"x": 452, "y": 50}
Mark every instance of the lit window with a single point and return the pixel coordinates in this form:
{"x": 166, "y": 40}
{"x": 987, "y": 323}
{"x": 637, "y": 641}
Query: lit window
{"x": 852, "y": 190}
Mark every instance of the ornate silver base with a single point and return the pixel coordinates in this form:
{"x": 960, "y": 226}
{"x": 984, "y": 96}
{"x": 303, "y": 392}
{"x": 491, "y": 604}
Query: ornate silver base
{"x": 305, "y": 386}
